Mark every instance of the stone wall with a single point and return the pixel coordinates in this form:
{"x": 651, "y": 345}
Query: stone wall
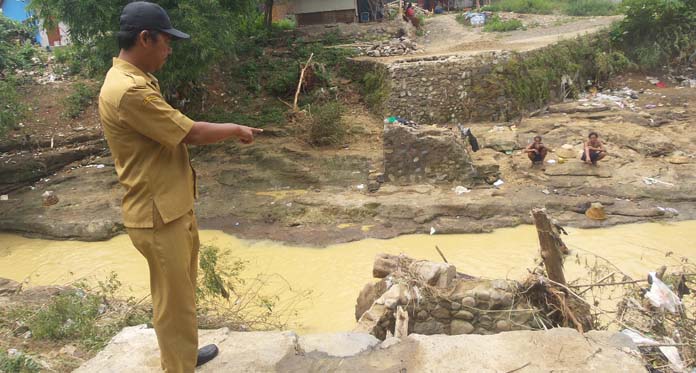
{"x": 428, "y": 154}
{"x": 438, "y": 300}
{"x": 446, "y": 89}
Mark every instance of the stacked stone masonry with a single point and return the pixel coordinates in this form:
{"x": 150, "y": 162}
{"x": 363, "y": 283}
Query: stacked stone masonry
{"x": 439, "y": 301}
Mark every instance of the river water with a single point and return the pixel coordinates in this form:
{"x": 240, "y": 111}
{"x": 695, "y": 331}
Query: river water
{"x": 336, "y": 274}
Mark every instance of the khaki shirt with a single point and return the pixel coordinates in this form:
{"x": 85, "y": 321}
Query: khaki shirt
{"x": 144, "y": 134}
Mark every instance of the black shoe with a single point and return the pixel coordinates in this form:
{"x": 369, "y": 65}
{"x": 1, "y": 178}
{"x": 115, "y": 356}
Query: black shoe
{"x": 206, "y": 353}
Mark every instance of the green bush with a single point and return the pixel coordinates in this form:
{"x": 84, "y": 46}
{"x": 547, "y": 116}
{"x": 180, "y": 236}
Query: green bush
{"x": 523, "y": 6}
{"x": 215, "y": 26}
{"x": 375, "y": 89}
{"x": 657, "y": 32}
{"x": 75, "y": 103}
{"x": 16, "y": 50}
{"x": 11, "y": 108}
{"x": 67, "y": 58}
{"x": 18, "y": 363}
{"x": 285, "y": 24}
{"x": 326, "y": 126}
{"x": 282, "y": 79}
{"x": 591, "y": 8}
{"x": 495, "y": 24}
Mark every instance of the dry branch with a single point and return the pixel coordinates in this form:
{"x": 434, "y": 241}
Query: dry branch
{"x": 299, "y": 84}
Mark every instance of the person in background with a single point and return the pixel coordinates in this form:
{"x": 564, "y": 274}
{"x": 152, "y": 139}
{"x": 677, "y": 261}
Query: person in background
{"x": 536, "y": 151}
{"x": 594, "y": 150}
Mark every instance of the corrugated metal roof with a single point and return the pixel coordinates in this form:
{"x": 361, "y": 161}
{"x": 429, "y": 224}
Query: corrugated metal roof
{"x": 313, "y": 6}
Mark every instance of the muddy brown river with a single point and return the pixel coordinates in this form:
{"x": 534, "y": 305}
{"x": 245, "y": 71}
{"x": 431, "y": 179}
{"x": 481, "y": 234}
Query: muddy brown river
{"x": 336, "y": 274}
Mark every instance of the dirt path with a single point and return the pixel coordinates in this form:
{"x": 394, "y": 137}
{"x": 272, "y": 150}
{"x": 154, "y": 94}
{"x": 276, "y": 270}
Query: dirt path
{"x": 445, "y": 36}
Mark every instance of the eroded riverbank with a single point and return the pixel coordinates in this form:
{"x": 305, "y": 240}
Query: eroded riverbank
{"x": 336, "y": 274}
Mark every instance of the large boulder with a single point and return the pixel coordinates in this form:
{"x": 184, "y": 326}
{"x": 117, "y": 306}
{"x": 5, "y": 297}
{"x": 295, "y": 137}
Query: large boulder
{"x": 9, "y": 287}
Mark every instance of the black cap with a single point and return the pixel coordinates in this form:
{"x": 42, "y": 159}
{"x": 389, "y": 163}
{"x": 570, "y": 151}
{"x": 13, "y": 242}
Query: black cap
{"x": 141, "y": 15}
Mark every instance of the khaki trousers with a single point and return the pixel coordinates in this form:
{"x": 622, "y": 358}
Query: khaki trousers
{"x": 171, "y": 251}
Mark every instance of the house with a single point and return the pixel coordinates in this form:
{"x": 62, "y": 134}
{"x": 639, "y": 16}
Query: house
{"x": 316, "y": 12}
{"x": 17, "y": 10}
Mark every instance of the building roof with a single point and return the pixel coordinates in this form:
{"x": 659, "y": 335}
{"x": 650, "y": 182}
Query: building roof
{"x": 314, "y": 6}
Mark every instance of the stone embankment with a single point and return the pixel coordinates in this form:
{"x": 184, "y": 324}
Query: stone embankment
{"x": 134, "y": 349}
{"x": 435, "y": 299}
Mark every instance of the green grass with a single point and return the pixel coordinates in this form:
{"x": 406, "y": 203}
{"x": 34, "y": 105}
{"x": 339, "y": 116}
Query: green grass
{"x": 568, "y": 7}
{"x": 18, "y": 363}
{"x": 495, "y": 24}
{"x": 326, "y": 126}
{"x": 75, "y": 103}
{"x": 11, "y": 108}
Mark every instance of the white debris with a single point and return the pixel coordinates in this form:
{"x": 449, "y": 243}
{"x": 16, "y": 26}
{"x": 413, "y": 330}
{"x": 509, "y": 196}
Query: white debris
{"x": 461, "y": 190}
{"x": 432, "y": 231}
{"x": 360, "y": 186}
{"x": 4, "y": 197}
{"x": 661, "y": 296}
{"x": 498, "y": 183}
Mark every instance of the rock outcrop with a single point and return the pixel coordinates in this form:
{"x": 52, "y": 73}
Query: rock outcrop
{"x": 135, "y": 350}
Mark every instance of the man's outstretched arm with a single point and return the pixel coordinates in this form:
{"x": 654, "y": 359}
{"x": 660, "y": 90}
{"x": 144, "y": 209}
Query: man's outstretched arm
{"x": 208, "y": 133}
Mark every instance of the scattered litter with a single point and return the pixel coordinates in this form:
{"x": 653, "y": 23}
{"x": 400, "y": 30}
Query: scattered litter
{"x": 596, "y": 212}
{"x": 660, "y": 85}
{"x": 4, "y": 197}
{"x": 461, "y": 190}
{"x": 236, "y": 224}
{"x": 652, "y": 80}
{"x": 672, "y": 354}
{"x": 49, "y": 198}
{"x": 638, "y": 338}
{"x": 668, "y": 209}
{"x": 400, "y": 120}
{"x": 432, "y": 231}
{"x": 498, "y": 183}
{"x": 689, "y": 83}
{"x": 650, "y": 106}
{"x": 551, "y": 161}
{"x": 652, "y": 181}
{"x": 546, "y": 191}
{"x": 99, "y": 166}
{"x": 661, "y": 296}
{"x": 289, "y": 204}
{"x": 360, "y": 186}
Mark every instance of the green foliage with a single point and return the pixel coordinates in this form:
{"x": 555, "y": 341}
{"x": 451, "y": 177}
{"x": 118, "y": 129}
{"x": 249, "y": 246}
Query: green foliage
{"x": 375, "y": 89}
{"x": 326, "y": 126}
{"x": 82, "y": 315}
{"x": 495, "y": 24}
{"x": 225, "y": 298}
{"x": 11, "y": 108}
{"x": 523, "y": 6}
{"x": 657, "y": 32}
{"x": 218, "y": 275}
{"x": 591, "y": 8}
{"x": 569, "y": 7}
{"x": 215, "y": 26}
{"x": 18, "y": 363}
{"x": 16, "y": 50}
{"x": 75, "y": 103}
{"x": 285, "y": 24}
{"x": 67, "y": 58}
{"x": 531, "y": 80}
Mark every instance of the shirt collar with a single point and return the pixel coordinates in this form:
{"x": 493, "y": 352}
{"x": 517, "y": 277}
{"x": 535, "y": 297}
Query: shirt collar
{"x": 127, "y": 67}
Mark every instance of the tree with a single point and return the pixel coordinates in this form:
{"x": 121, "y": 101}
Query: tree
{"x": 268, "y": 15}
{"x": 214, "y": 25}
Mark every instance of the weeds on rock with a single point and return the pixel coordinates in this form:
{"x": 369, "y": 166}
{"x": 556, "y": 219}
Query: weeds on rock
{"x": 375, "y": 89}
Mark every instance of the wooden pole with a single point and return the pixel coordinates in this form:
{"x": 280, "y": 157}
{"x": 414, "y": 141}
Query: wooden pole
{"x": 550, "y": 252}
{"x": 299, "y": 84}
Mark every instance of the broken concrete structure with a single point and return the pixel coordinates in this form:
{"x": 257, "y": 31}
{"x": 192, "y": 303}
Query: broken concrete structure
{"x": 439, "y": 300}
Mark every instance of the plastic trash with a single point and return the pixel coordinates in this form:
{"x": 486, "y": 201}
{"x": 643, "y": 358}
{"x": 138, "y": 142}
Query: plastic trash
{"x": 650, "y": 106}
{"x": 360, "y": 186}
{"x": 661, "y": 296}
{"x": 461, "y": 190}
{"x": 653, "y": 181}
{"x": 390, "y": 120}
{"x": 660, "y": 85}
{"x": 668, "y": 209}
{"x": 551, "y": 161}
{"x": 4, "y": 197}
{"x": 638, "y": 338}
{"x": 672, "y": 354}
{"x": 498, "y": 183}
{"x": 432, "y": 231}
{"x": 477, "y": 19}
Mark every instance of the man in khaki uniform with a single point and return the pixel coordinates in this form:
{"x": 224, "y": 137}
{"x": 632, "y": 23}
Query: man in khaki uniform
{"x": 148, "y": 138}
